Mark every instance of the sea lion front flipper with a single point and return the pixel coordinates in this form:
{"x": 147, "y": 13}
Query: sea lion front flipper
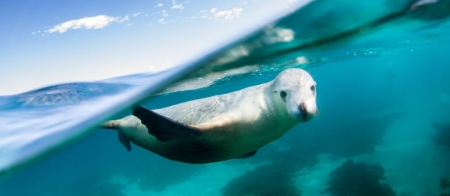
{"x": 163, "y": 128}
{"x": 124, "y": 141}
{"x": 250, "y": 154}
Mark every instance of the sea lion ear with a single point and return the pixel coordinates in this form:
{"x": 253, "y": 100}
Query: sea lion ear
{"x": 163, "y": 128}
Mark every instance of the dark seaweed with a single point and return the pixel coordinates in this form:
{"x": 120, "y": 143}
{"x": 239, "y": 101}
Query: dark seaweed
{"x": 358, "y": 179}
{"x": 442, "y": 138}
{"x": 264, "y": 180}
{"x": 277, "y": 178}
{"x": 445, "y": 186}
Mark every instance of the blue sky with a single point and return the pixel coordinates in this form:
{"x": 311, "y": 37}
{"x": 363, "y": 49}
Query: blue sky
{"x": 48, "y": 42}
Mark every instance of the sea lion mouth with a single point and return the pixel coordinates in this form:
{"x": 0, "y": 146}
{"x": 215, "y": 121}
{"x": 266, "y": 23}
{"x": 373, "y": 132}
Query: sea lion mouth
{"x": 306, "y": 116}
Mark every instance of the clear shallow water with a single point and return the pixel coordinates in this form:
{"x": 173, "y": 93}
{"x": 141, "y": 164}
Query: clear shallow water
{"x": 382, "y": 93}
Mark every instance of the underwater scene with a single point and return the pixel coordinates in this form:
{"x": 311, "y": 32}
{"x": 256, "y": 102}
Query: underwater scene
{"x": 375, "y": 119}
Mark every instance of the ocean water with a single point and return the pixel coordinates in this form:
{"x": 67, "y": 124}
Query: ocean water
{"x": 383, "y": 90}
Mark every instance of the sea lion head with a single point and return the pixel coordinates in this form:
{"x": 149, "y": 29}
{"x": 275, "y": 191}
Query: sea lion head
{"x": 295, "y": 90}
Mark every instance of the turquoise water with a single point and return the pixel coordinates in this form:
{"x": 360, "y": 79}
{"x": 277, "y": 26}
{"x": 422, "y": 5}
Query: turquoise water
{"x": 384, "y": 126}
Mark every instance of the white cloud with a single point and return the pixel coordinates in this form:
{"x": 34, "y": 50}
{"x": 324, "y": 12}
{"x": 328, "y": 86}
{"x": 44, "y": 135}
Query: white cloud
{"x": 136, "y": 14}
{"x": 179, "y": 6}
{"x": 229, "y": 14}
{"x": 95, "y": 22}
{"x": 176, "y": 6}
{"x": 164, "y": 13}
{"x": 162, "y": 21}
{"x": 126, "y": 18}
{"x": 160, "y": 5}
{"x": 224, "y": 14}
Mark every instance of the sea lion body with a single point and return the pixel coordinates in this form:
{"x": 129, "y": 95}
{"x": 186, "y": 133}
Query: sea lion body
{"x": 229, "y": 126}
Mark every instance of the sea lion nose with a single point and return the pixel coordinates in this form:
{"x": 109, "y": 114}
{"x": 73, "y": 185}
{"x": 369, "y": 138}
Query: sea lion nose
{"x": 306, "y": 115}
{"x": 302, "y": 108}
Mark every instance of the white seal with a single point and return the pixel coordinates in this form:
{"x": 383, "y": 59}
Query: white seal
{"x": 222, "y": 127}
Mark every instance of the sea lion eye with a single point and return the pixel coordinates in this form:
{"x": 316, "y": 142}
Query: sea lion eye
{"x": 313, "y": 88}
{"x": 283, "y": 94}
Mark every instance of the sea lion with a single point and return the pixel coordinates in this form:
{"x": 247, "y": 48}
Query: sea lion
{"x": 222, "y": 127}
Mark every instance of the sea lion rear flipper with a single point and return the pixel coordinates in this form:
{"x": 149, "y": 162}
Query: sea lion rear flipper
{"x": 124, "y": 141}
{"x": 250, "y": 154}
{"x": 163, "y": 128}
